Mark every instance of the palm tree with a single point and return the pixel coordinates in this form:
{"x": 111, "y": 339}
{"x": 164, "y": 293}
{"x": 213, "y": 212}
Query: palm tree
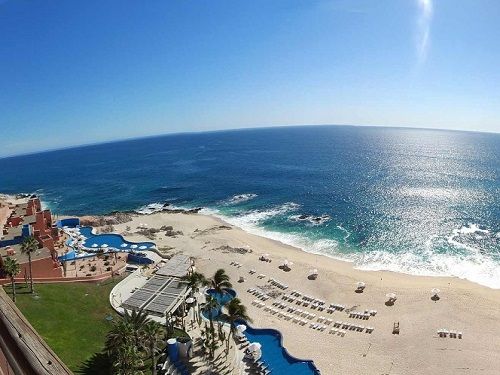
{"x": 11, "y": 268}
{"x": 153, "y": 332}
{"x": 122, "y": 346}
{"x": 235, "y": 311}
{"x": 220, "y": 281}
{"x": 210, "y": 305}
{"x": 29, "y": 246}
{"x": 137, "y": 320}
{"x": 195, "y": 280}
{"x": 128, "y": 361}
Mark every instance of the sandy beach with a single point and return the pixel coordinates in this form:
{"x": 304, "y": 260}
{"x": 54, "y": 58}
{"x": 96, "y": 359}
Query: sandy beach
{"x": 463, "y": 305}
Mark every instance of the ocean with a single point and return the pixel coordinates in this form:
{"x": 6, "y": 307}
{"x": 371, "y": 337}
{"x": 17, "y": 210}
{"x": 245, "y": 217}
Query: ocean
{"x": 424, "y": 202}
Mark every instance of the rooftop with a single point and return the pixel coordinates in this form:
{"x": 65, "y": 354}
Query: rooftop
{"x": 177, "y": 266}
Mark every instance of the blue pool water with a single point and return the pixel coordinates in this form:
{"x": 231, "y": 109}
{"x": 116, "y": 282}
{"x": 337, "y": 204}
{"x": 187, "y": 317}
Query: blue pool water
{"x": 276, "y": 356}
{"x": 273, "y": 352}
{"x": 112, "y": 240}
{"x": 222, "y": 299}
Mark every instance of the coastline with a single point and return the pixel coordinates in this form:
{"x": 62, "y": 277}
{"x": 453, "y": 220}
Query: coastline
{"x": 464, "y": 306}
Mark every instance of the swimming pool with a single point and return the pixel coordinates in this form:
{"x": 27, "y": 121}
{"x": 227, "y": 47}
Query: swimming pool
{"x": 85, "y": 243}
{"x": 222, "y": 298}
{"x": 273, "y": 352}
{"x": 276, "y": 356}
{"x": 111, "y": 240}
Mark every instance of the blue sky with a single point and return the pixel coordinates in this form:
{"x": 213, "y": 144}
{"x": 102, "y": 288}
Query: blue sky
{"x": 91, "y": 71}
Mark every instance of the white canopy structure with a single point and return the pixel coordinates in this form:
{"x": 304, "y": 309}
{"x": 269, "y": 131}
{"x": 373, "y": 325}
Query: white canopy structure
{"x": 391, "y": 296}
{"x": 254, "y": 346}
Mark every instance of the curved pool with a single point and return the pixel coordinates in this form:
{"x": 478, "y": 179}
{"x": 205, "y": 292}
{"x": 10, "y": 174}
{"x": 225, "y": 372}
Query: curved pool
{"x": 112, "y": 240}
{"x": 106, "y": 241}
{"x": 274, "y": 354}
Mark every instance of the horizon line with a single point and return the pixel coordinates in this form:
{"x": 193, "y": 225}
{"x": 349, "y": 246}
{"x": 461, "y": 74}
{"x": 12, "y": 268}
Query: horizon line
{"x": 118, "y": 140}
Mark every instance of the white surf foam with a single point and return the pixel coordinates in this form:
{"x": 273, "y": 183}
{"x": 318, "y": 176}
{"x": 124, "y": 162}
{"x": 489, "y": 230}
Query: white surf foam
{"x": 311, "y": 219}
{"x": 250, "y": 222}
{"x": 473, "y": 266}
{"x": 240, "y": 198}
{"x": 476, "y": 268}
{"x": 152, "y": 208}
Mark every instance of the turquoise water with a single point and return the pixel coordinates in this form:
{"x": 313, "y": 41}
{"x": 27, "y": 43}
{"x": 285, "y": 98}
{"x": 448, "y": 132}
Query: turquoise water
{"x": 222, "y": 299}
{"x": 424, "y": 202}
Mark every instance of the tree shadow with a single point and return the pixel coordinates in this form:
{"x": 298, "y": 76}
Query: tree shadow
{"x": 98, "y": 364}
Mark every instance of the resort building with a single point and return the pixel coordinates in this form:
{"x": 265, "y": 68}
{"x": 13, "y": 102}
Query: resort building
{"x": 26, "y": 219}
{"x": 165, "y": 291}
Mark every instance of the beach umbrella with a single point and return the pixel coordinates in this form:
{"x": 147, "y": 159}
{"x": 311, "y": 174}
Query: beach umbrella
{"x": 285, "y": 262}
{"x": 124, "y": 245}
{"x": 133, "y": 246}
{"x": 241, "y": 328}
{"x": 95, "y": 245}
{"x": 104, "y": 245}
{"x": 314, "y": 272}
{"x": 435, "y": 291}
{"x": 360, "y": 284}
{"x": 143, "y": 247}
{"x": 391, "y": 295}
{"x": 254, "y": 346}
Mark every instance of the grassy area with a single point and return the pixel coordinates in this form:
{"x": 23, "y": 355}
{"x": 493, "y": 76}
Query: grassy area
{"x": 70, "y": 317}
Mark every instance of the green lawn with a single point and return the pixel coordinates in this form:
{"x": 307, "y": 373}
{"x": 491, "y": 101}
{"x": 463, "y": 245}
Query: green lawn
{"x": 71, "y": 317}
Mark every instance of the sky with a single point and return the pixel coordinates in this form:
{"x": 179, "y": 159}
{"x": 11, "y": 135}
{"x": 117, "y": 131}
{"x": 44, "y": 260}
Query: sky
{"x": 78, "y": 72}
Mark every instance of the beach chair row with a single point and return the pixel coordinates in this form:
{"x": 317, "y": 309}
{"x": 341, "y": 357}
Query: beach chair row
{"x": 451, "y": 334}
{"x": 362, "y": 315}
{"x": 339, "y": 332}
{"x": 258, "y": 293}
{"x": 313, "y": 301}
{"x": 258, "y": 303}
{"x": 277, "y": 283}
{"x": 236, "y": 264}
{"x": 288, "y": 297}
{"x": 352, "y": 327}
{"x": 322, "y": 319}
{"x": 319, "y": 327}
{"x": 303, "y": 313}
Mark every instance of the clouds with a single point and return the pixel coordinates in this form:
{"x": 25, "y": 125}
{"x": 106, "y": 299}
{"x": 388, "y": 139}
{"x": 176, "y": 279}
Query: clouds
{"x": 423, "y": 31}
